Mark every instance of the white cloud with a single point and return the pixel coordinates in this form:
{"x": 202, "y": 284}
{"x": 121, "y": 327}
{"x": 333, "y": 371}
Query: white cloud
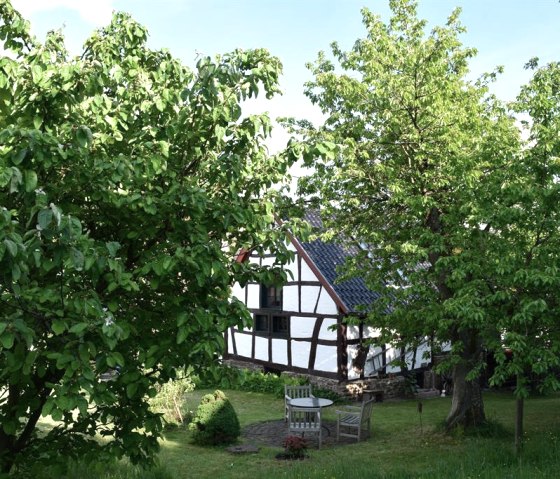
{"x": 96, "y": 12}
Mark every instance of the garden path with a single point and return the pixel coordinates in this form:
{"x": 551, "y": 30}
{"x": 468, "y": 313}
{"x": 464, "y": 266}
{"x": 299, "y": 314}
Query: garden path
{"x": 273, "y": 433}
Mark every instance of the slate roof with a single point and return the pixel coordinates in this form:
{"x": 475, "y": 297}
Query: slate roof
{"x": 327, "y": 256}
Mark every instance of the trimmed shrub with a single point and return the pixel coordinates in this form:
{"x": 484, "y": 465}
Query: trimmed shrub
{"x": 215, "y": 421}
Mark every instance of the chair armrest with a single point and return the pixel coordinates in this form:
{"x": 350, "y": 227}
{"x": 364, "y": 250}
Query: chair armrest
{"x": 347, "y": 413}
{"x": 287, "y": 398}
{"x": 352, "y": 408}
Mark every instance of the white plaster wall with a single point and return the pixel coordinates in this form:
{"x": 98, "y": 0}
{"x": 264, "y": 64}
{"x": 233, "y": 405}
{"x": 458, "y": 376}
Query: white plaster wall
{"x": 290, "y": 298}
{"x": 352, "y": 332}
{"x": 325, "y": 332}
{"x": 238, "y": 292}
{"x": 309, "y": 295}
{"x": 370, "y": 332}
{"x": 292, "y": 268}
{"x": 267, "y": 261}
{"x": 420, "y": 360}
{"x": 243, "y": 343}
{"x": 392, "y": 353}
{"x": 423, "y": 357}
{"x": 352, "y": 352}
{"x": 306, "y": 273}
{"x": 325, "y": 360}
{"x": 255, "y": 258}
{"x": 301, "y": 327}
{"x": 300, "y": 354}
{"x": 229, "y": 341}
{"x": 369, "y": 366}
{"x": 261, "y": 348}
{"x": 326, "y": 303}
{"x": 253, "y": 296}
{"x": 280, "y": 351}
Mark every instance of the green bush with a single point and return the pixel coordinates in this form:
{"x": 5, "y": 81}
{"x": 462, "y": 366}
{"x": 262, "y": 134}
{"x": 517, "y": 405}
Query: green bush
{"x": 329, "y": 394}
{"x": 260, "y": 382}
{"x": 215, "y": 421}
{"x": 250, "y": 381}
{"x": 170, "y": 400}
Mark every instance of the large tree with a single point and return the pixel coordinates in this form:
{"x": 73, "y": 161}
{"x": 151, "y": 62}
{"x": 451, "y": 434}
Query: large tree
{"x": 405, "y": 164}
{"x": 127, "y": 183}
{"x": 523, "y": 258}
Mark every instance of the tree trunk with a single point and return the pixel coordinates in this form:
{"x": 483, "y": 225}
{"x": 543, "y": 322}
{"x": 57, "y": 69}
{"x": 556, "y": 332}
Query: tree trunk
{"x": 6, "y": 456}
{"x": 467, "y": 407}
{"x": 13, "y": 444}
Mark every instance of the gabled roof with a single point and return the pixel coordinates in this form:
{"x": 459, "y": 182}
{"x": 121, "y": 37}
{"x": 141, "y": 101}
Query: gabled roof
{"x": 326, "y": 257}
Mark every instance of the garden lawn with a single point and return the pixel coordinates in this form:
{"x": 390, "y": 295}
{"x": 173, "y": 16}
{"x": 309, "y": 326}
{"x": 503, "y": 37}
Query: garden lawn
{"x": 400, "y": 446}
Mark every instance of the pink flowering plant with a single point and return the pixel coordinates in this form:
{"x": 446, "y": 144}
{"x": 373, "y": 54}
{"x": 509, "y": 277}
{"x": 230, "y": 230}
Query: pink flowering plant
{"x": 295, "y": 446}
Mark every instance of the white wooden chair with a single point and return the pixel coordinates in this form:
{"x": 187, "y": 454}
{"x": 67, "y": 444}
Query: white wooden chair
{"x": 354, "y": 421}
{"x": 293, "y": 392}
{"x": 305, "y": 419}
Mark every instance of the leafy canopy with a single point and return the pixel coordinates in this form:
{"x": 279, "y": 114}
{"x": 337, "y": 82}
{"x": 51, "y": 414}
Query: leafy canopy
{"x": 410, "y": 162}
{"x": 127, "y": 184}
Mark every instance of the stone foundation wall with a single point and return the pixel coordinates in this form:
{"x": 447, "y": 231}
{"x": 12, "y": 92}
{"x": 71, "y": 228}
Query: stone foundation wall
{"x": 232, "y": 363}
{"x": 393, "y": 387}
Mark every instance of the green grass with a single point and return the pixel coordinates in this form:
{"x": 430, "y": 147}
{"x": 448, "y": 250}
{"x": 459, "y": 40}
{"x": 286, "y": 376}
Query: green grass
{"x": 399, "y": 446}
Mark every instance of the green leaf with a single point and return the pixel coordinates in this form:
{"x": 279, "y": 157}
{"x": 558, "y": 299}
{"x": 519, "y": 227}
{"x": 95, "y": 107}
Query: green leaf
{"x": 164, "y": 146}
{"x": 219, "y": 132}
{"x": 56, "y": 212}
{"x": 182, "y": 334}
{"x": 7, "y": 339}
{"x": 182, "y": 319}
{"x": 84, "y": 136}
{"x": 29, "y": 180}
{"x": 131, "y": 390}
{"x": 18, "y": 157}
{"x": 113, "y": 247}
{"x": 11, "y": 246}
{"x": 44, "y": 218}
{"x": 16, "y": 180}
{"x": 77, "y": 259}
{"x": 78, "y": 328}
{"x": 37, "y": 121}
{"x": 119, "y": 359}
{"x": 58, "y": 326}
{"x": 37, "y": 73}
{"x": 9, "y": 427}
{"x": 16, "y": 272}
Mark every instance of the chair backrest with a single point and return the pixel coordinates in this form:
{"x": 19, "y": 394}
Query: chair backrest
{"x": 302, "y": 419}
{"x": 294, "y": 392}
{"x": 367, "y": 407}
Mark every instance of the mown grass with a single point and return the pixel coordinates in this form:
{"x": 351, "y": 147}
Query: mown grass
{"x": 400, "y": 447}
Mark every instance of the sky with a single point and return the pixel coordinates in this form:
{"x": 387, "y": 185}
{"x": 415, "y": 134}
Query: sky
{"x": 505, "y": 32}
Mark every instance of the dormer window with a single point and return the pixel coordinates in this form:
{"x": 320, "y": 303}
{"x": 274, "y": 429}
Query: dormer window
{"x": 271, "y": 297}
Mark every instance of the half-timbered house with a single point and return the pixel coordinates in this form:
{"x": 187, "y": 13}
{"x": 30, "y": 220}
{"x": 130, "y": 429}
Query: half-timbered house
{"x": 302, "y": 325}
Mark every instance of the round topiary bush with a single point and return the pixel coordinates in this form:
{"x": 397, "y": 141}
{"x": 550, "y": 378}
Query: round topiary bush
{"x": 215, "y": 421}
